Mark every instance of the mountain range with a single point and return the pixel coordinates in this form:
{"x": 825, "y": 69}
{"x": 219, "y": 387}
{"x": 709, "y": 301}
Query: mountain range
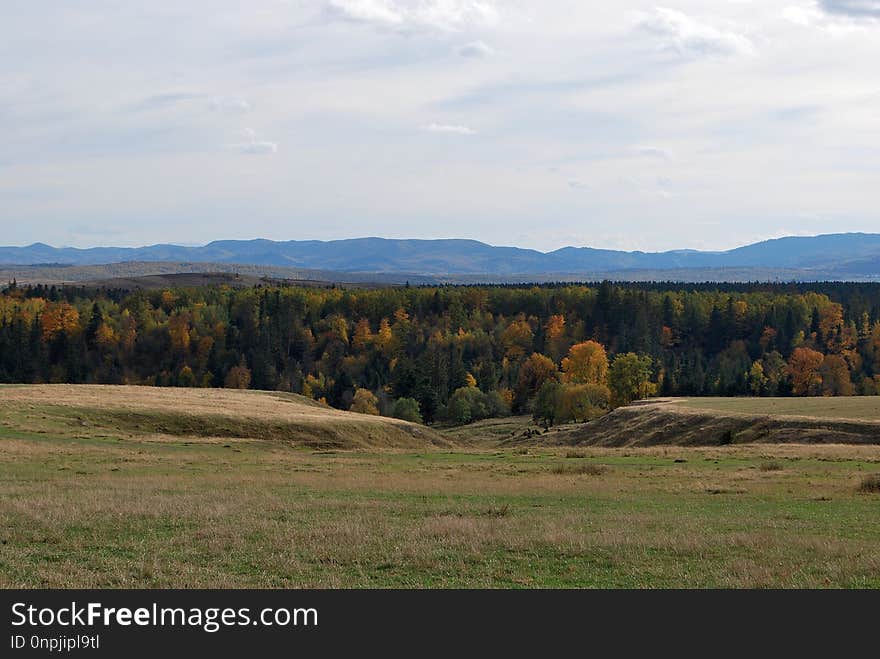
{"x": 854, "y": 255}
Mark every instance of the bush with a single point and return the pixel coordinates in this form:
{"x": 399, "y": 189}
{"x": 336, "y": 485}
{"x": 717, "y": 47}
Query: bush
{"x": 562, "y": 403}
{"x": 870, "y": 484}
{"x": 470, "y": 404}
{"x": 406, "y": 409}
{"x": 583, "y": 402}
{"x": 497, "y": 405}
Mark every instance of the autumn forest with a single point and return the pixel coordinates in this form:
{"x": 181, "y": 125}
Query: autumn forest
{"x": 455, "y": 354}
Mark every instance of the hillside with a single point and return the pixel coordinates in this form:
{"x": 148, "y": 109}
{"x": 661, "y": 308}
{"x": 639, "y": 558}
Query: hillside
{"x": 84, "y": 411}
{"x": 827, "y": 256}
{"x": 719, "y": 421}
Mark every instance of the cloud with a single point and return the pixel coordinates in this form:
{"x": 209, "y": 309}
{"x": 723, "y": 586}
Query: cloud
{"x": 804, "y": 16}
{"x": 450, "y": 129}
{"x": 253, "y": 145}
{"x": 653, "y": 152}
{"x": 255, "y": 148}
{"x": 476, "y": 49}
{"x": 685, "y": 35}
{"x": 852, "y": 8}
{"x": 230, "y": 105}
{"x": 445, "y": 15}
{"x": 162, "y": 101}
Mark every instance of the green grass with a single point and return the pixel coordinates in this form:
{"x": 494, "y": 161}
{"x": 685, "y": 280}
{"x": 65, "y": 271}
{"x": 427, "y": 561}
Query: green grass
{"x": 856, "y": 408}
{"x": 139, "y": 513}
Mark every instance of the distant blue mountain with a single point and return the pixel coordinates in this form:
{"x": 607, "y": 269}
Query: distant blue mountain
{"x": 856, "y": 253}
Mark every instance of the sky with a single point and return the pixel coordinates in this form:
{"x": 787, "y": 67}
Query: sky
{"x": 624, "y": 125}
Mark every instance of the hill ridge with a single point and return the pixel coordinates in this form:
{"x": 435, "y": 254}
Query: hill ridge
{"x": 855, "y": 253}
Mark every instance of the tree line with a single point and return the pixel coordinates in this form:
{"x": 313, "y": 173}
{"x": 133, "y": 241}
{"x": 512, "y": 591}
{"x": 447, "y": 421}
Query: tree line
{"x": 456, "y": 353}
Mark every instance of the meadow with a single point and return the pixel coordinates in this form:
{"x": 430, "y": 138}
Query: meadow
{"x": 83, "y": 504}
{"x": 857, "y": 408}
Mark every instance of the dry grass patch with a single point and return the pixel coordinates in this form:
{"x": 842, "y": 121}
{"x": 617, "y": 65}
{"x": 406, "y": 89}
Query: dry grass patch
{"x": 104, "y": 411}
{"x": 587, "y": 469}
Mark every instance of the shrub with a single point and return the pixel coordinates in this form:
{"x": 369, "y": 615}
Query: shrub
{"x": 870, "y": 484}
{"x": 562, "y": 403}
{"x": 584, "y": 402}
{"x": 407, "y": 409}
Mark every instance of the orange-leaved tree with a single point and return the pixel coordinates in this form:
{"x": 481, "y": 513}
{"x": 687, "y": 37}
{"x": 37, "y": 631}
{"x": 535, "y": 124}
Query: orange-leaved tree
{"x": 804, "y": 370}
{"x": 587, "y": 363}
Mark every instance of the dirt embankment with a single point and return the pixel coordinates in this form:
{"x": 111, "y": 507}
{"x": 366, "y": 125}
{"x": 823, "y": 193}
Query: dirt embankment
{"x": 664, "y": 422}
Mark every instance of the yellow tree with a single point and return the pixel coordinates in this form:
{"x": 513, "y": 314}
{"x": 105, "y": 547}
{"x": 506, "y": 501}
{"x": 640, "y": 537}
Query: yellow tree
{"x": 555, "y": 332}
{"x": 517, "y": 339}
{"x": 178, "y": 330}
{"x": 757, "y": 379}
{"x": 385, "y": 337}
{"x": 105, "y": 337}
{"x": 587, "y": 363}
{"x": 831, "y": 323}
{"x": 364, "y": 402}
{"x": 363, "y": 335}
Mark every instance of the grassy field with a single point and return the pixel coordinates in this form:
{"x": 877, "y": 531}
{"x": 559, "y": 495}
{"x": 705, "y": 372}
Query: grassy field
{"x": 83, "y": 504}
{"x": 854, "y": 408}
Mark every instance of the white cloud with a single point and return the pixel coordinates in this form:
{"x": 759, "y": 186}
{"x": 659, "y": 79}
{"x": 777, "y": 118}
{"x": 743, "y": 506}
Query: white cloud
{"x": 230, "y": 105}
{"x": 653, "y": 152}
{"x": 803, "y": 16}
{"x": 476, "y": 49}
{"x": 685, "y": 35}
{"x": 447, "y": 15}
{"x": 450, "y": 128}
{"x": 255, "y": 148}
{"x": 253, "y": 145}
{"x": 369, "y": 11}
{"x": 163, "y": 101}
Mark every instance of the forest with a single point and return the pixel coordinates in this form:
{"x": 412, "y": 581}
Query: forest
{"x": 455, "y": 353}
